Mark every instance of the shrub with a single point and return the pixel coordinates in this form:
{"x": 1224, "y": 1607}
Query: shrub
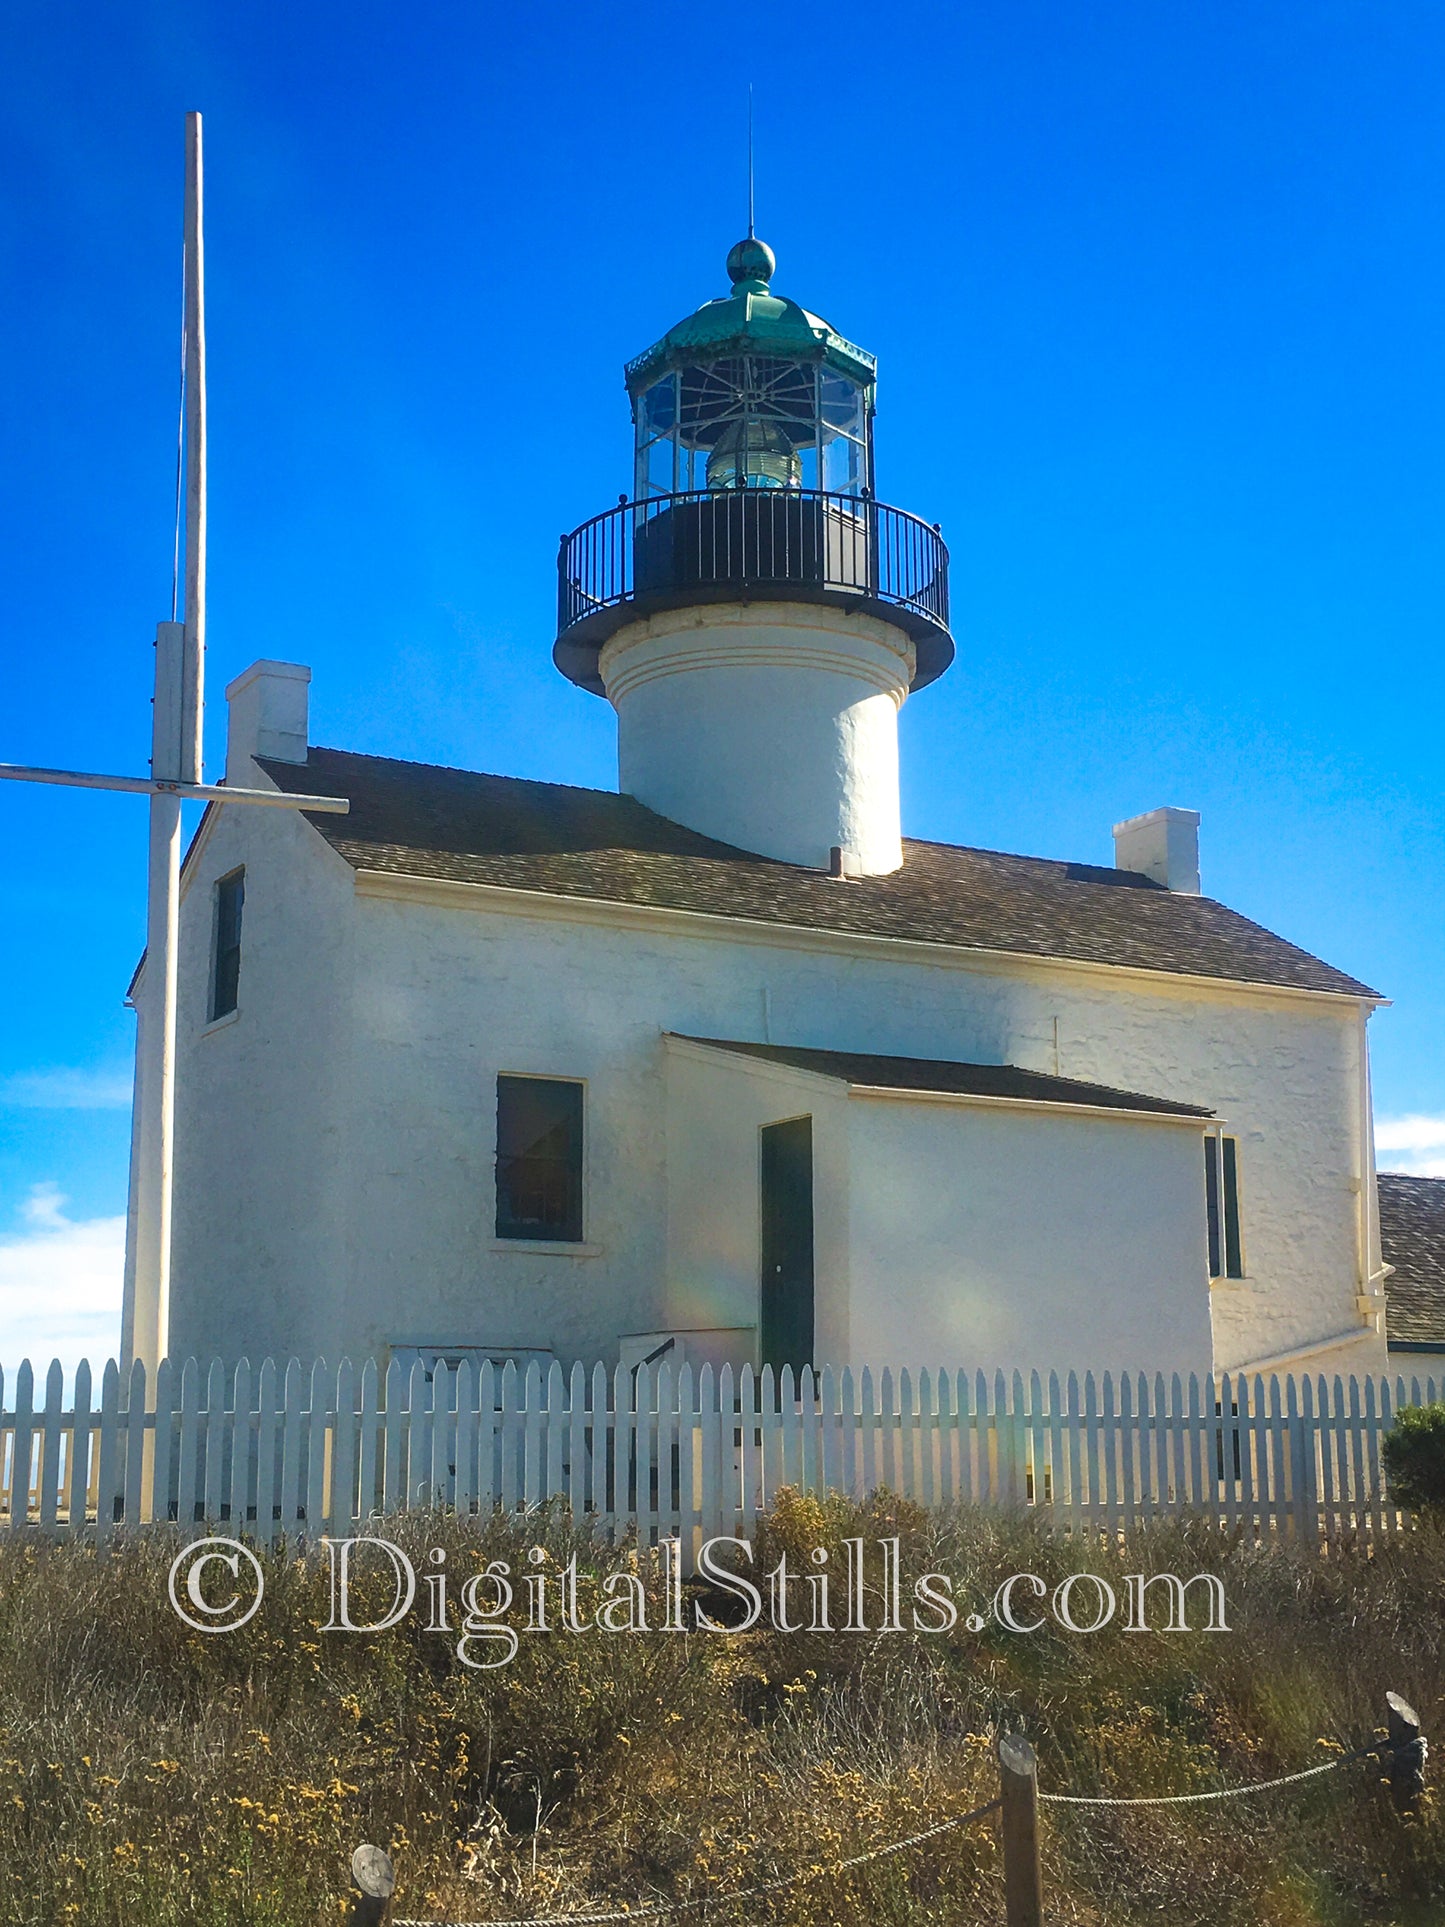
{"x": 1414, "y": 1451}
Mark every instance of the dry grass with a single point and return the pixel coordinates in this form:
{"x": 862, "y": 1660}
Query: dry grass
{"x": 149, "y": 1774}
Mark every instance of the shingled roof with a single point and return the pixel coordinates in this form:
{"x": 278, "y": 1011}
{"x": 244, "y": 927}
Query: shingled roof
{"x": 413, "y": 819}
{"x": 1412, "y": 1239}
{"x": 869, "y": 1071}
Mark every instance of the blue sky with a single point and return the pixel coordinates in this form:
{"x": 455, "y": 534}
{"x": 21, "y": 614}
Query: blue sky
{"x": 1156, "y": 291}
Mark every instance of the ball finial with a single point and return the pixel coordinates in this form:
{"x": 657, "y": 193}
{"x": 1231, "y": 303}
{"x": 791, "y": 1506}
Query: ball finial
{"x": 751, "y": 260}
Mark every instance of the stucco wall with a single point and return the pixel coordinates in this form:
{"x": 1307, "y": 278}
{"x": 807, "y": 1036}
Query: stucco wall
{"x": 1420, "y": 1362}
{"x": 335, "y": 1175}
{"x": 945, "y": 1232}
{"x": 1037, "y": 1239}
{"x": 772, "y": 726}
{"x": 265, "y": 1139}
{"x": 716, "y": 1108}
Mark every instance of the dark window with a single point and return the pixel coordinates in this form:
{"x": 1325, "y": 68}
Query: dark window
{"x": 539, "y": 1159}
{"x": 226, "y": 972}
{"x": 785, "y": 1309}
{"x": 1221, "y": 1199}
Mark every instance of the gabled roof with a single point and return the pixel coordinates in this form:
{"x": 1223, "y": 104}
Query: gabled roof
{"x": 413, "y": 819}
{"x": 863, "y": 1069}
{"x": 1412, "y": 1239}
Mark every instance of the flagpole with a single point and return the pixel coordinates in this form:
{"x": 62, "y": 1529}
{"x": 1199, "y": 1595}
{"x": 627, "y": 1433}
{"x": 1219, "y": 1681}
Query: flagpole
{"x": 175, "y": 773}
{"x": 157, "y": 1082}
{"x": 176, "y": 749}
{"x": 194, "y": 662}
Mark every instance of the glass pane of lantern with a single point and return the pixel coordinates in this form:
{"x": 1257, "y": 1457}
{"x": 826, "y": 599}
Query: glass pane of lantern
{"x": 841, "y": 403}
{"x": 845, "y": 468}
{"x": 753, "y": 413}
{"x": 757, "y": 387}
{"x": 842, "y": 406}
{"x": 657, "y": 409}
{"x": 658, "y": 476}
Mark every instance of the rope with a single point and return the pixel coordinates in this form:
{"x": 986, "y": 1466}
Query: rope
{"x": 899, "y": 1846}
{"x": 1221, "y": 1793}
{"x": 723, "y": 1900}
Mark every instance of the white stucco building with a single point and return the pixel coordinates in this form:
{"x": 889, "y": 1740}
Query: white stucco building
{"x": 721, "y": 1060}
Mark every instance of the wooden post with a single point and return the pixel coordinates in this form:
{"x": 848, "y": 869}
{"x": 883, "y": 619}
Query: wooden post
{"x": 1023, "y": 1875}
{"x": 372, "y": 1873}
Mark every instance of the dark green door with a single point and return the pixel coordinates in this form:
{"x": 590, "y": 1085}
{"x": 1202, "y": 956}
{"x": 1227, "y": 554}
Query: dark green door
{"x": 786, "y": 1294}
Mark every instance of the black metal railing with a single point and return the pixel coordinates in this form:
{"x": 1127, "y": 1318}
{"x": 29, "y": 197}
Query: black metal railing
{"x": 797, "y": 541}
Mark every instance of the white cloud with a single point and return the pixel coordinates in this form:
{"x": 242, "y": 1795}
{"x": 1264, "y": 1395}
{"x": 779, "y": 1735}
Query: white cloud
{"x": 67, "y": 1090}
{"x": 1414, "y": 1144}
{"x": 60, "y": 1286}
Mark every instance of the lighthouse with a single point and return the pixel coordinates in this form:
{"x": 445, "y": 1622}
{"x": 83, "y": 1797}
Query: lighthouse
{"x": 752, "y": 611}
{"x": 720, "y": 1070}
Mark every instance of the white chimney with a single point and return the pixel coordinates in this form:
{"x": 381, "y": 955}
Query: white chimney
{"x": 268, "y": 704}
{"x": 1163, "y": 845}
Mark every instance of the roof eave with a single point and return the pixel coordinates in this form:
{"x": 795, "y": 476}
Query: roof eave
{"x": 664, "y": 356}
{"x": 763, "y": 1058}
{"x": 376, "y": 881}
{"x": 1193, "y": 1119}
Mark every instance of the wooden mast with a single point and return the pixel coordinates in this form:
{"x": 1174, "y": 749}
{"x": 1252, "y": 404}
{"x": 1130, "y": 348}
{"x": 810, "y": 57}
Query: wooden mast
{"x": 177, "y": 722}
{"x": 194, "y": 661}
{"x": 176, "y": 732}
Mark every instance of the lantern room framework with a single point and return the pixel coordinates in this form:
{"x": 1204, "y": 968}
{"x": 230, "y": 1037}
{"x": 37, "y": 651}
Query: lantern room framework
{"x": 753, "y": 476}
{"x": 753, "y": 421}
{"x": 752, "y": 391}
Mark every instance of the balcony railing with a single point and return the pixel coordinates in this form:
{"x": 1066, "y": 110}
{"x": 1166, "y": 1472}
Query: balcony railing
{"x": 716, "y": 545}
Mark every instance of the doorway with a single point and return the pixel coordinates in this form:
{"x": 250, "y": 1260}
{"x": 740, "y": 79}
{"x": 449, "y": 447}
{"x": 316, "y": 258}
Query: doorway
{"x": 785, "y": 1297}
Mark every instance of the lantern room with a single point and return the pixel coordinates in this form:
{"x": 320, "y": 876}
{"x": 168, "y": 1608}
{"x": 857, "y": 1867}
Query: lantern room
{"x": 752, "y": 475}
{"x": 752, "y": 391}
{"x": 752, "y": 611}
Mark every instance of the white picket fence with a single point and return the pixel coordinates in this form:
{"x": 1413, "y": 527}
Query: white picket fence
{"x": 297, "y": 1453}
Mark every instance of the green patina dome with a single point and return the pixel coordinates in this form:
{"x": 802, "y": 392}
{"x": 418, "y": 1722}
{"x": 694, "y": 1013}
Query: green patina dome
{"x": 750, "y": 321}
{"x": 752, "y": 262}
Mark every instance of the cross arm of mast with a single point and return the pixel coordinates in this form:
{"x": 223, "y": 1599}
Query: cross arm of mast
{"x": 159, "y": 786}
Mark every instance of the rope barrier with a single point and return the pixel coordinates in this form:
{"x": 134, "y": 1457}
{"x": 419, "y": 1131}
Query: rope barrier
{"x": 723, "y": 1900}
{"x": 1219, "y": 1793}
{"x": 659, "y": 1910}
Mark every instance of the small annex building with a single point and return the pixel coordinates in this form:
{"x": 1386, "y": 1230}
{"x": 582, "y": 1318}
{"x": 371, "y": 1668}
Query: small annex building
{"x": 1412, "y": 1241}
{"x": 721, "y": 1066}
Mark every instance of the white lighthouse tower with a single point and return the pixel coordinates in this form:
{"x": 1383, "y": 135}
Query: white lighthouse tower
{"x": 754, "y": 614}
